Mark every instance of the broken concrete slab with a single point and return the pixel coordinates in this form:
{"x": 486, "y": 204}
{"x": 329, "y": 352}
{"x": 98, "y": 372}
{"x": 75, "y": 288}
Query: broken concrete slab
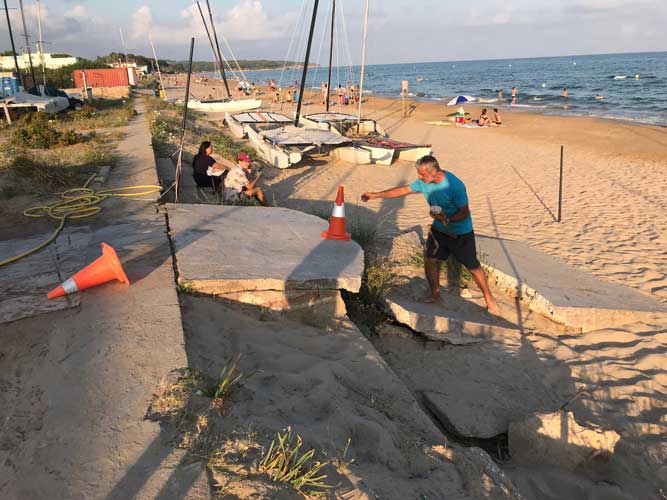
{"x": 558, "y": 439}
{"x": 453, "y": 319}
{"x": 273, "y": 249}
{"x": 476, "y": 390}
{"x": 561, "y": 292}
{"x": 25, "y": 283}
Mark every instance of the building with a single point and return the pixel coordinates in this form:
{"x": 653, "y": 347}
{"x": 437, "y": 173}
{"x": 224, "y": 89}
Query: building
{"x": 50, "y": 61}
{"x": 141, "y": 70}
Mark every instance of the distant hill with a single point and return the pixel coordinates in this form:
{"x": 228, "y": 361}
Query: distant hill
{"x": 170, "y": 66}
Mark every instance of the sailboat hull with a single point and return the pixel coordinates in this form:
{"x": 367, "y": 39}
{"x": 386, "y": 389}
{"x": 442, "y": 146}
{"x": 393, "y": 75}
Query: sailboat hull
{"x": 224, "y": 106}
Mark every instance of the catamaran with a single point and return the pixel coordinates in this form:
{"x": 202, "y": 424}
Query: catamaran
{"x": 227, "y": 104}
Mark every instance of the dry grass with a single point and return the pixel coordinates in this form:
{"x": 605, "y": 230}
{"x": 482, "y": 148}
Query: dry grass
{"x": 284, "y": 462}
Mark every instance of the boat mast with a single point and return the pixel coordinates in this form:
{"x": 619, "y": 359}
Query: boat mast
{"x": 27, "y": 43}
{"x": 333, "y": 17}
{"x": 217, "y": 45}
{"x": 157, "y": 64}
{"x": 217, "y": 64}
{"x": 122, "y": 39}
{"x": 363, "y": 62}
{"x": 11, "y": 38}
{"x": 41, "y": 42}
{"x": 305, "y": 64}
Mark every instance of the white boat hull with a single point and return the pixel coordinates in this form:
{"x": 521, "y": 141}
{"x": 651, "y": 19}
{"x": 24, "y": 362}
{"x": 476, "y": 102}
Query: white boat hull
{"x": 237, "y": 129}
{"x": 413, "y": 154}
{"x": 226, "y": 106}
{"x": 350, "y": 154}
{"x": 274, "y": 155}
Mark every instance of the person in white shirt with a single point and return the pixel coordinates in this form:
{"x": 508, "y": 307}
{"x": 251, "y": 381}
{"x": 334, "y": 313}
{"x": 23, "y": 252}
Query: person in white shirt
{"x": 237, "y": 184}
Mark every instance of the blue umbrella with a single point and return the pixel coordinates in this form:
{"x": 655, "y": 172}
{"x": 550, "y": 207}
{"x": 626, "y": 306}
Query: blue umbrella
{"x": 460, "y": 99}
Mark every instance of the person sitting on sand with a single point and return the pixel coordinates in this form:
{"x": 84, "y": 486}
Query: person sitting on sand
{"x": 497, "y": 119}
{"x": 484, "y": 119}
{"x": 452, "y": 230}
{"x": 203, "y": 165}
{"x": 237, "y": 185}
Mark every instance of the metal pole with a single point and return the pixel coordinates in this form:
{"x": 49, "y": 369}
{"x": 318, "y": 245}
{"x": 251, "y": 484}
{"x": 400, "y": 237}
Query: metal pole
{"x": 157, "y": 64}
{"x": 333, "y": 17}
{"x": 122, "y": 40}
{"x": 560, "y": 185}
{"x": 210, "y": 40}
{"x": 363, "y": 62}
{"x": 179, "y": 163}
{"x": 27, "y": 43}
{"x": 11, "y": 38}
{"x": 41, "y": 42}
{"x": 305, "y": 64}
{"x": 217, "y": 45}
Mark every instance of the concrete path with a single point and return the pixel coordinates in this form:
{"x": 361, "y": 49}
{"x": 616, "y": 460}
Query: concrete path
{"x": 76, "y": 383}
{"x": 232, "y": 250}
{"x": 562, "y": 293}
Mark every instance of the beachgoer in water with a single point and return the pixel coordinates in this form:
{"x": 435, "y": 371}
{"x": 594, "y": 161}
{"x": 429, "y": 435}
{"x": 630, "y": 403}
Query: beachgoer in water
{"x": 500, "y": 95}
{"x": 452, "y": 229}
{"x": 599, "y": 97}
{"x": 514, "y": 93}
{"x": 564, "y": 93}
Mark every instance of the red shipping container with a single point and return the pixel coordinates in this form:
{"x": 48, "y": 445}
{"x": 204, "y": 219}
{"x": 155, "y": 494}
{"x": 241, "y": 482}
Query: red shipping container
{"x": 112, "y": 77}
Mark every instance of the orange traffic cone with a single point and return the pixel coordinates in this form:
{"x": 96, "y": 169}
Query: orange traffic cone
{"x": 337, "y": 222}
{"x": 105, "y": 268}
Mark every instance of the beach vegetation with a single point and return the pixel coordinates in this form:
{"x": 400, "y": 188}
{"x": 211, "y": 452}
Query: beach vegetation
{"x": 230, "y": 377}
{"x": 285, "y": 462}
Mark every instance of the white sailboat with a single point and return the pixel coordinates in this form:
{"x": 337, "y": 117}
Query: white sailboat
{"x": 228, "y": 104}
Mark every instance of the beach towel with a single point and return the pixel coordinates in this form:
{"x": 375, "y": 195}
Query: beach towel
{"x": 440, "y": 123}
{"x": 471, "y": 125}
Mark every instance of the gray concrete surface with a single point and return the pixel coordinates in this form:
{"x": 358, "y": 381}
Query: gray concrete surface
{"x": 76, "y": 383}
{"x": 453, "y": 320}
{"x": 561, "y": 292}
{"x": 231, "y": 249}
{"x": 25, "y": 283}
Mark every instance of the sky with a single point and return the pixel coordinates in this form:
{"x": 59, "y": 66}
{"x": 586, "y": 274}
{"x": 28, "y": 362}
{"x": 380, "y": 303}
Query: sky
{"x": 398, "y": 30}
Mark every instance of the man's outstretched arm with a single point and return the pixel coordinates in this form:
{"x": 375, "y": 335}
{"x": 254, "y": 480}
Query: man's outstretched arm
{"x": 396, "y": 192}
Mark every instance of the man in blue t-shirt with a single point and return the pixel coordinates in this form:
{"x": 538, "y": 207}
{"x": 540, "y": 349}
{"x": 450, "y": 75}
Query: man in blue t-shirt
{"x": 451, "y": 232}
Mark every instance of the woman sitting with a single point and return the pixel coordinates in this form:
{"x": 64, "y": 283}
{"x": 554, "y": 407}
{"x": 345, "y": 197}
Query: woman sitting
{"x": 205, "y": 170}
{"x": 483, "y": 119}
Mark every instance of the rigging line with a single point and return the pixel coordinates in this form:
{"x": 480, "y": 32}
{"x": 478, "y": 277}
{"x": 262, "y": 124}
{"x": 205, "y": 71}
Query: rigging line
{"x": 217, "y": 46}
{"x": 319, "y": 58}
{"x": 208, "y": 34}
{"x": 349, "y": 54}
{"x": 291, "y": 47}
{"x": 346, "y": 47}
{"x": 27, "y": 43}
{"x": 291, "y": 43}
{"x": 231, "y": 53}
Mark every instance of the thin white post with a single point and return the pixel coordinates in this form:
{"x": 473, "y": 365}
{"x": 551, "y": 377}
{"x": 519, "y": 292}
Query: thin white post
{"x": 363, "y": 62}
{"x": 157, "y": 64}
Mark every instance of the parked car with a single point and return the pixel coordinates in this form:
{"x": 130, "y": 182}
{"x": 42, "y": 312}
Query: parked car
{"x": 74, "y": 101}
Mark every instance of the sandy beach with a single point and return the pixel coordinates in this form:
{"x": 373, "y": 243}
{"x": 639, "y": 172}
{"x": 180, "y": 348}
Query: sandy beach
{"x": 613, "y": 207}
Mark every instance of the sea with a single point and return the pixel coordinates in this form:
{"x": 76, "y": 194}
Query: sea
{"x": 634, "y": 86}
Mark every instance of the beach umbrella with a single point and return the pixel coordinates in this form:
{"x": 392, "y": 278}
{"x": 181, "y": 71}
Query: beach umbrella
{"x": 460, "y": 99}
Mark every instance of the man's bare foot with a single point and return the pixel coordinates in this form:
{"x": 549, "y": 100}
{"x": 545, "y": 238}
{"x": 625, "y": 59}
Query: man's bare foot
{"x": 430, "y": 298}
{"x": 492, "y": 307}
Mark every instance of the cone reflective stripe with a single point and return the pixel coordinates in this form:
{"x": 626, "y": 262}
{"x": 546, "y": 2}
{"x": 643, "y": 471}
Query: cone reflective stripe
{"x": 336, "y": 229}
{"x": 105, "y": 268}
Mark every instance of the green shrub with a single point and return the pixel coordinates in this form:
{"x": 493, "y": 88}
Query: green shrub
{"x": 36, "y": 131}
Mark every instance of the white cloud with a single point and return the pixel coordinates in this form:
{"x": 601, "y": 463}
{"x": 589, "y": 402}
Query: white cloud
{"x": 245, "y": 21}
